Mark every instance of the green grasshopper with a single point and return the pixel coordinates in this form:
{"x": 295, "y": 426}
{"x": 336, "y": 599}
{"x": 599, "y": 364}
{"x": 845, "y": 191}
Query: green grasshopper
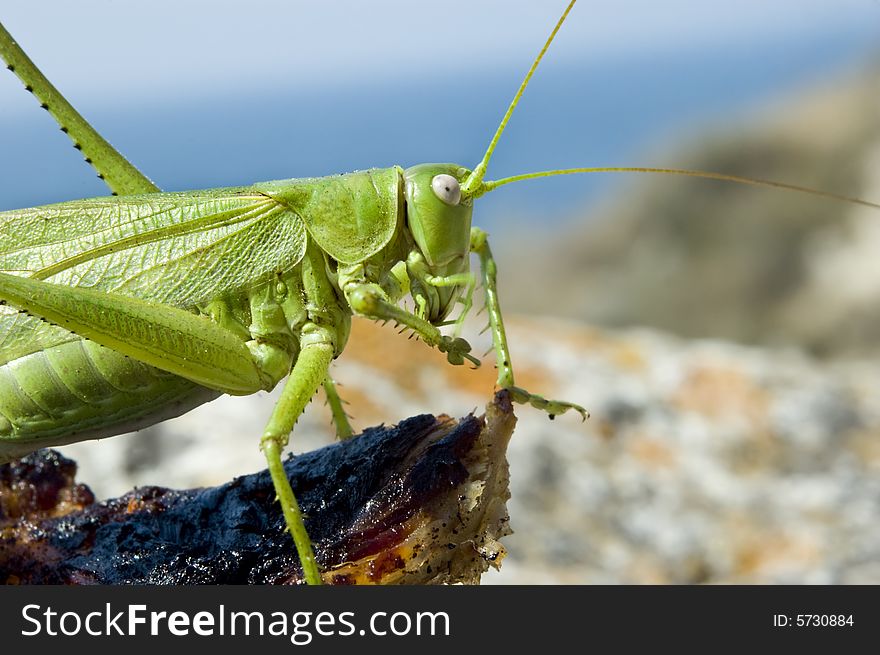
{"x": 123, "y": 311}
{"x": 120, "y": 312}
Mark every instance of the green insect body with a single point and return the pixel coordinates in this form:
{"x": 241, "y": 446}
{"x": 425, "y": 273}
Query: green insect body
{"x": 123, "y": 311}
{"x": 119, "y": 312}
{"x": 258, "y": 268}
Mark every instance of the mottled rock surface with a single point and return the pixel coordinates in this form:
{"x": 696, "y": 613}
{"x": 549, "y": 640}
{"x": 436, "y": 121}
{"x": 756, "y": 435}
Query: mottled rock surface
{"x": 703, "y": 461}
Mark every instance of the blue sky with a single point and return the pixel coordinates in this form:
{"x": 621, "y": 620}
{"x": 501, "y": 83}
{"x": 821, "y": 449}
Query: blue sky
{"x": 161, "y": 46}
{"x": 218, "y": 93}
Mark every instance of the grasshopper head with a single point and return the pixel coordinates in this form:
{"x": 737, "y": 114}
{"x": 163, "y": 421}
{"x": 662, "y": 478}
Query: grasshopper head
{"x": 439, "y": 202}
{"x": 439, "y": 219}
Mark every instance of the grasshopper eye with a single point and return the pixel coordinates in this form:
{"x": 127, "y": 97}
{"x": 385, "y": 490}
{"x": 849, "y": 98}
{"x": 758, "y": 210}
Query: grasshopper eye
{"x": 446, "y": 188}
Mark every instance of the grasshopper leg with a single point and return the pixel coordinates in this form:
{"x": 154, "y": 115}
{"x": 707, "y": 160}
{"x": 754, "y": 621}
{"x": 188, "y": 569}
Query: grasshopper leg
{"x": 120, "y": 175}
{"x": 169, "y": 338}
{"x": 340, "y": 417}
{"x": 480, "y": 245}
{"x": 308, "y": 373}
{"x": 465, "y": 279}
{"x": 369, "y": 300}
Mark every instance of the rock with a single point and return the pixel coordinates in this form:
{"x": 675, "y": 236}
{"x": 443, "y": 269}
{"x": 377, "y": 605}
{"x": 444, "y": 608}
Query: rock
{"x": 703, "y": 461}
{"x": 422, "y": 502}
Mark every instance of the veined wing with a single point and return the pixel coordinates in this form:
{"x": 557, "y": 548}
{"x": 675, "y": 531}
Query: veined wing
{"x": 175, "y": 248}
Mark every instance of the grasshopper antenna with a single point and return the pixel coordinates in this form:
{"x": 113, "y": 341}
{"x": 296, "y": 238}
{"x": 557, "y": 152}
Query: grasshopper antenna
{"x": 472, "y": 187}
{"x": 491, "y": 185}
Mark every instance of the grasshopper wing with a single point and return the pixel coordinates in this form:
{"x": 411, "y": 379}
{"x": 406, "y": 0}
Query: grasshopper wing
{"x": 174, "y": 248}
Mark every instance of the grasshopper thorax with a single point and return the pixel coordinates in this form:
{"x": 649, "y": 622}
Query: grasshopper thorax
{"x": 439, "y": 220}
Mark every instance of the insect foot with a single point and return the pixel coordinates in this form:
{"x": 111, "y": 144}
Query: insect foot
{"x": 457, "y": 350}
{"x": 552, "y": 407}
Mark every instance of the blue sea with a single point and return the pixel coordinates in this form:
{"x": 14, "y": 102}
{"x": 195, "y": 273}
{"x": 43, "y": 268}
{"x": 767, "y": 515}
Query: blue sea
{"x": 613, "y": 112}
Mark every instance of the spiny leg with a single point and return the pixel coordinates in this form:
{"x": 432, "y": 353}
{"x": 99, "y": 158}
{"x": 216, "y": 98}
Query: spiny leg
{"x": 337, "y": 411}
{"x": 369, "y": 300}
{"x": 480, "y": 245}
{"x": 308, "y": 373}
{"x": 120, "y": 175}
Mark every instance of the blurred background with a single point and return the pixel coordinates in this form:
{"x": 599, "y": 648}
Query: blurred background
{"x": 723, "y": 337}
